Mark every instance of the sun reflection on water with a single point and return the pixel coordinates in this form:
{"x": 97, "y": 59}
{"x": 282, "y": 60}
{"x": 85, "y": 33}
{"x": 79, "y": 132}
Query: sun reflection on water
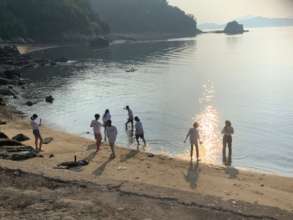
{"x": 209, "y": 129}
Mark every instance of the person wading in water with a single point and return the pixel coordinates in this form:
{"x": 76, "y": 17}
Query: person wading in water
{"x": 227, "y": 132}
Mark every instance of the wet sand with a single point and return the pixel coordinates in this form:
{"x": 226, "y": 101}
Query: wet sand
{"x": 243, "y": 193}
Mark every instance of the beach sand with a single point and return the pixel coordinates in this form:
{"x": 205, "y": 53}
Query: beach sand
{"x": 157, "y": 176}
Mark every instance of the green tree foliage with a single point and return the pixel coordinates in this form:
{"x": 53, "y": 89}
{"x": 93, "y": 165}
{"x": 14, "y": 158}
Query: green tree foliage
{"x": 142, "y": 16}
{"x": 48, "y": 19}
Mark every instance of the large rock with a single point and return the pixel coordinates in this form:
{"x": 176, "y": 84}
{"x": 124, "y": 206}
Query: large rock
{"x": 8, "y": 142}
{"x": 20, "y": 138}
{"x": 3, "y": 136}
{"x": 234, "y": 27}
{"x": 7, "y": 92}
{"x": 4, "y": 81}
{"x": 49, "y": 99}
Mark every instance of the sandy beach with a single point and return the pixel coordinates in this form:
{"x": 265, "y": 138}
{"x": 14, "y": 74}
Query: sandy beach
{"x": 223, "y": 190}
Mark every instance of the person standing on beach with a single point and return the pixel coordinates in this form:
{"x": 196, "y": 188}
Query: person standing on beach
{"x": 139, "y": 132}
{"x": 194, "y": 139}
{"x": 36, "y": 131}
{"x": 96, "y": 125}
{"x": 130, "y": 118}
{"x": 227, "y": 132}
{"x": 106, "y": 118}
{"x": 111, "y": 132}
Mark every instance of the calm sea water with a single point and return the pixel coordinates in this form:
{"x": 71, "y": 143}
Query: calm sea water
{"x": 246, "y": 79}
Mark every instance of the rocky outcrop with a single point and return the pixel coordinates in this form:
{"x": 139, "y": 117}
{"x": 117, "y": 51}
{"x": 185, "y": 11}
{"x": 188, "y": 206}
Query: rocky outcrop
{"x": 20, "y": 138}
{"x": 49, "y": 99}
{"x": 234, "y": 27}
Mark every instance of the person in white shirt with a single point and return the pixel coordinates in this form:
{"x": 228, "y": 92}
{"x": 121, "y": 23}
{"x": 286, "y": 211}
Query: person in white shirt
{"x": 194, "y": 139}
{"x": 36, "y": 131}
{"x": 112, "y": 133}
{"x": 139, "y": 132}
{"x": 106, "y": 117}
{"x": 130, "y": 118}
{"x": 227, "y": 132}
{"x": 96, "y": 125}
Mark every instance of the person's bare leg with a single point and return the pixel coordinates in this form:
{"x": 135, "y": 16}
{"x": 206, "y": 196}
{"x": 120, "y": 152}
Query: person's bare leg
{"x": 230, "y": 152}
{"x": 113, "y": 151}
{"x": 191, "y": 151}
{"x": 137, "y": 140}
{"x": 197, "y": 152}
{"x": 224, "y": 151}
{"x": 41, "y": 143}
{"x": 36, "y": 143}
{"x": 144, "y": 141}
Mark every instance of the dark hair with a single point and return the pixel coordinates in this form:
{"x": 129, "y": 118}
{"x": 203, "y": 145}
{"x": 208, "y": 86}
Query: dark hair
{"x": 34, "y": 117}
{"x": 195, "y": 125}
{"x": 136, "y": 118}
{"x": 228, "y": 123}
{"x": 97, "y": 116}
{"x": 127, "y": 107}
{"x": 109, "y": 123}
{"x": 107, "y": 111}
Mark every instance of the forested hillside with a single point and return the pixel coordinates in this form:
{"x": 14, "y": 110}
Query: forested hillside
{"x": 43, "y": 20}
{"x": 144, "y": 16}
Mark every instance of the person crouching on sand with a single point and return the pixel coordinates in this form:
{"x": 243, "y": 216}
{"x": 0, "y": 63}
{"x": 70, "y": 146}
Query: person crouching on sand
{"x": 36, "y": 131}
{"x": 194, "y": 139}
{"x": 96, "y": 125}
{"x": 227, "y": 132}
{"x": 111, "y": 132}
{"x": 139, "y": 132}
{"x": 106, "y": 117}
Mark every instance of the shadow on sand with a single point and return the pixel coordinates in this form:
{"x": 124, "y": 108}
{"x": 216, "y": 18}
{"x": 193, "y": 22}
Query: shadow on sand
{"x": 192, "y": 174}
{"x": 130, "y": 155}
{"x": 92, "y": 147}
{"x": 232, "y": 172}
{"x": 100, "y": 170}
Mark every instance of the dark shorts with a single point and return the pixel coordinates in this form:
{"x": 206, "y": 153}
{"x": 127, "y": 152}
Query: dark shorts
{"x": 37, "y": 133}
{"x": 137, "y": 136}
{"x": 227, "y": 139}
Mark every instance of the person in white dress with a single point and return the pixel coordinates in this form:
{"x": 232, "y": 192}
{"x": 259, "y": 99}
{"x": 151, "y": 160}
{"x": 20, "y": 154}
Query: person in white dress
{"x": 106, "y": 117}
{"x": 112, "y": 133}
{"x": 96, "y": 125}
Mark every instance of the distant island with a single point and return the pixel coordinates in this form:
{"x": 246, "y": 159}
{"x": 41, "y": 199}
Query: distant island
{"x": 231, "y": 28}
{"x": 253, "y": 22}
{"x": 84, "y": 20}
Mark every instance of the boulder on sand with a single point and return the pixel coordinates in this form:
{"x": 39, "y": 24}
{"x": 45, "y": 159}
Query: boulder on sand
{"x": 8, "y": 142}
{"x": 3, "y": 136}
{"x": 49, "y": 99}
{"x": 29, "y": 103}
{"x": 20, "y": 138}
{"x": 7, "y": 92}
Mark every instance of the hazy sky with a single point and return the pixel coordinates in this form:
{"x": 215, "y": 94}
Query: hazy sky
{"x": 225, "y": 10}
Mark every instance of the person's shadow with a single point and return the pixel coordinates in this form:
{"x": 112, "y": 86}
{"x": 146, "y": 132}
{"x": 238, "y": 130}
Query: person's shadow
{"x": 192, "y": 174}
{"x": 100, "y": 170}
{"x": 232, "y": 172}
{"x": 131, "y": 154}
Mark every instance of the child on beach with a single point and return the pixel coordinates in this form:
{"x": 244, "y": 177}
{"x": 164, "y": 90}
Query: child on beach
{"x": 96, "y": 125}
{"x": 36, "y": 131}
{"x": 130, "y": 118}
{"x": 194, "y": 139}
{"x": 111, "y": 132}
{"x": 106, "y": 118}
{"x": 227, "y": 132}
{"x": 139, "y": 132}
